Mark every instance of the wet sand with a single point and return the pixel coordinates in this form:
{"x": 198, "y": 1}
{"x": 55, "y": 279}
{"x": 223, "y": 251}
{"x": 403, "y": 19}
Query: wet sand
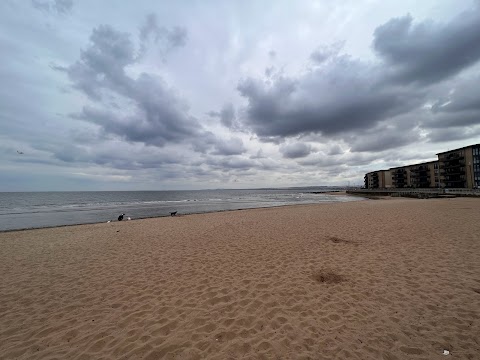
{"x": 390, "y": 279}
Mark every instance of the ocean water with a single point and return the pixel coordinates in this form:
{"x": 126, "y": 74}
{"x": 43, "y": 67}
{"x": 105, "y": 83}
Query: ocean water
{"x": 24, "y": 210}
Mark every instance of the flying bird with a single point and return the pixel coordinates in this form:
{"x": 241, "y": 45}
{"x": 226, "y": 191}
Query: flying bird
{"x": 20, "y": 152}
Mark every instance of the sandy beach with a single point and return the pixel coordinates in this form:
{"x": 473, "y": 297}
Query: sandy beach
{"x": 387, "y": 279}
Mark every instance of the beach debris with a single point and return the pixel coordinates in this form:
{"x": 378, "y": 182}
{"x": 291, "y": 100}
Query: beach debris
{"x": 120, "y": 218}
{"x": 328, "y": 277}
{"x": 338, "y": 240}
{"x": 446, "y": 352}
{"x": 109, "y": 221}
{"x": 129, "y": 218}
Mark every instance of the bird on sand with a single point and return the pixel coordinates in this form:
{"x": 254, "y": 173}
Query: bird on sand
{"x": 120, "y": 218}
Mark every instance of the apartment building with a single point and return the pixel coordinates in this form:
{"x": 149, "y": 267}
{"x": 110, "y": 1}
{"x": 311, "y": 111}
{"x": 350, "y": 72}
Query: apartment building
{"x": 388, "y": 182}
{"x": 371, "y": 180}
{"x": 424, "y": 175}
{"x": 458, "y": 168}
{"x": 400, "y": 176}
{"x": 380, "y": 179}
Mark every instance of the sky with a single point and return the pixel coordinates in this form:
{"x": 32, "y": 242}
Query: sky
{"x": 173, "y": 95}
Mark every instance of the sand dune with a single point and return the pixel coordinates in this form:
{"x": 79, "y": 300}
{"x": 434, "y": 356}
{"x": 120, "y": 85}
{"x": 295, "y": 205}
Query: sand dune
{"x": 388, "y": 279}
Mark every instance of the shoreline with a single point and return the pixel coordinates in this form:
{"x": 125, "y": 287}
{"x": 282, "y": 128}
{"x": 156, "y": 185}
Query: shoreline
{"x": 388, "y": 279}
{"x": 186, "y": 214}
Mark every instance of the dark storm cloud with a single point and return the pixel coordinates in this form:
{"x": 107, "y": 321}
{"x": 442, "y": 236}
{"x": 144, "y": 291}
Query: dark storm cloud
{"x": 59, "y": 6}
{"x": 459, "y": 108}
{"x": 156, "y": 127}
{"x": 464, "y": 98}
{"x": 102, "y": 65}
{"x": 343, "y": 96}
{"x": 428, "y": 52}
{"x": 151, "y": 112}
{"x": 340, "y": 96}
{"x": 295, "y": 150}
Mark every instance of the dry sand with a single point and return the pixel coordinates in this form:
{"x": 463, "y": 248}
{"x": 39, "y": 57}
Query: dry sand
{"x": 388, "y": 279}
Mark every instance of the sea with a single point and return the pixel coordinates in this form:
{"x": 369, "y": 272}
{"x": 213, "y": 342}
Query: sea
{"x": 27, "y": 210}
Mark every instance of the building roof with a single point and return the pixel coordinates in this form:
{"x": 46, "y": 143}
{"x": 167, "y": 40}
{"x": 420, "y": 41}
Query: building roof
{"x": 424, "y": 163}
{"x": 417, "y": 164}
{"x": 371, "y": 172}
{"x": 465, "y": 147}
{"x": 400, "y": 167}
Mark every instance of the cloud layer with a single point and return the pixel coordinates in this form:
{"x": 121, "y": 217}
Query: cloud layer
{"x": 151, "y": 112}
{"x": 358, "y": 101}
{"x": 153, "y": 97}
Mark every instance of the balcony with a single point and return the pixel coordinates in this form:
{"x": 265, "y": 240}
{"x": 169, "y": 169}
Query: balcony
{"x": 453, "y": 156}
{"x": 455, "y": 178}
{"x": 420, "y": 168}
{"x": 419, "y": 174}
{"x": 455, "y": 184}
{"x": 459, "y": 171}
{"x": 452, "y": 164}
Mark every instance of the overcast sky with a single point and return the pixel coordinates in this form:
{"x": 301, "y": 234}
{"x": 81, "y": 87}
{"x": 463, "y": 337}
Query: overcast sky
{"x": 159, "y": 95}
